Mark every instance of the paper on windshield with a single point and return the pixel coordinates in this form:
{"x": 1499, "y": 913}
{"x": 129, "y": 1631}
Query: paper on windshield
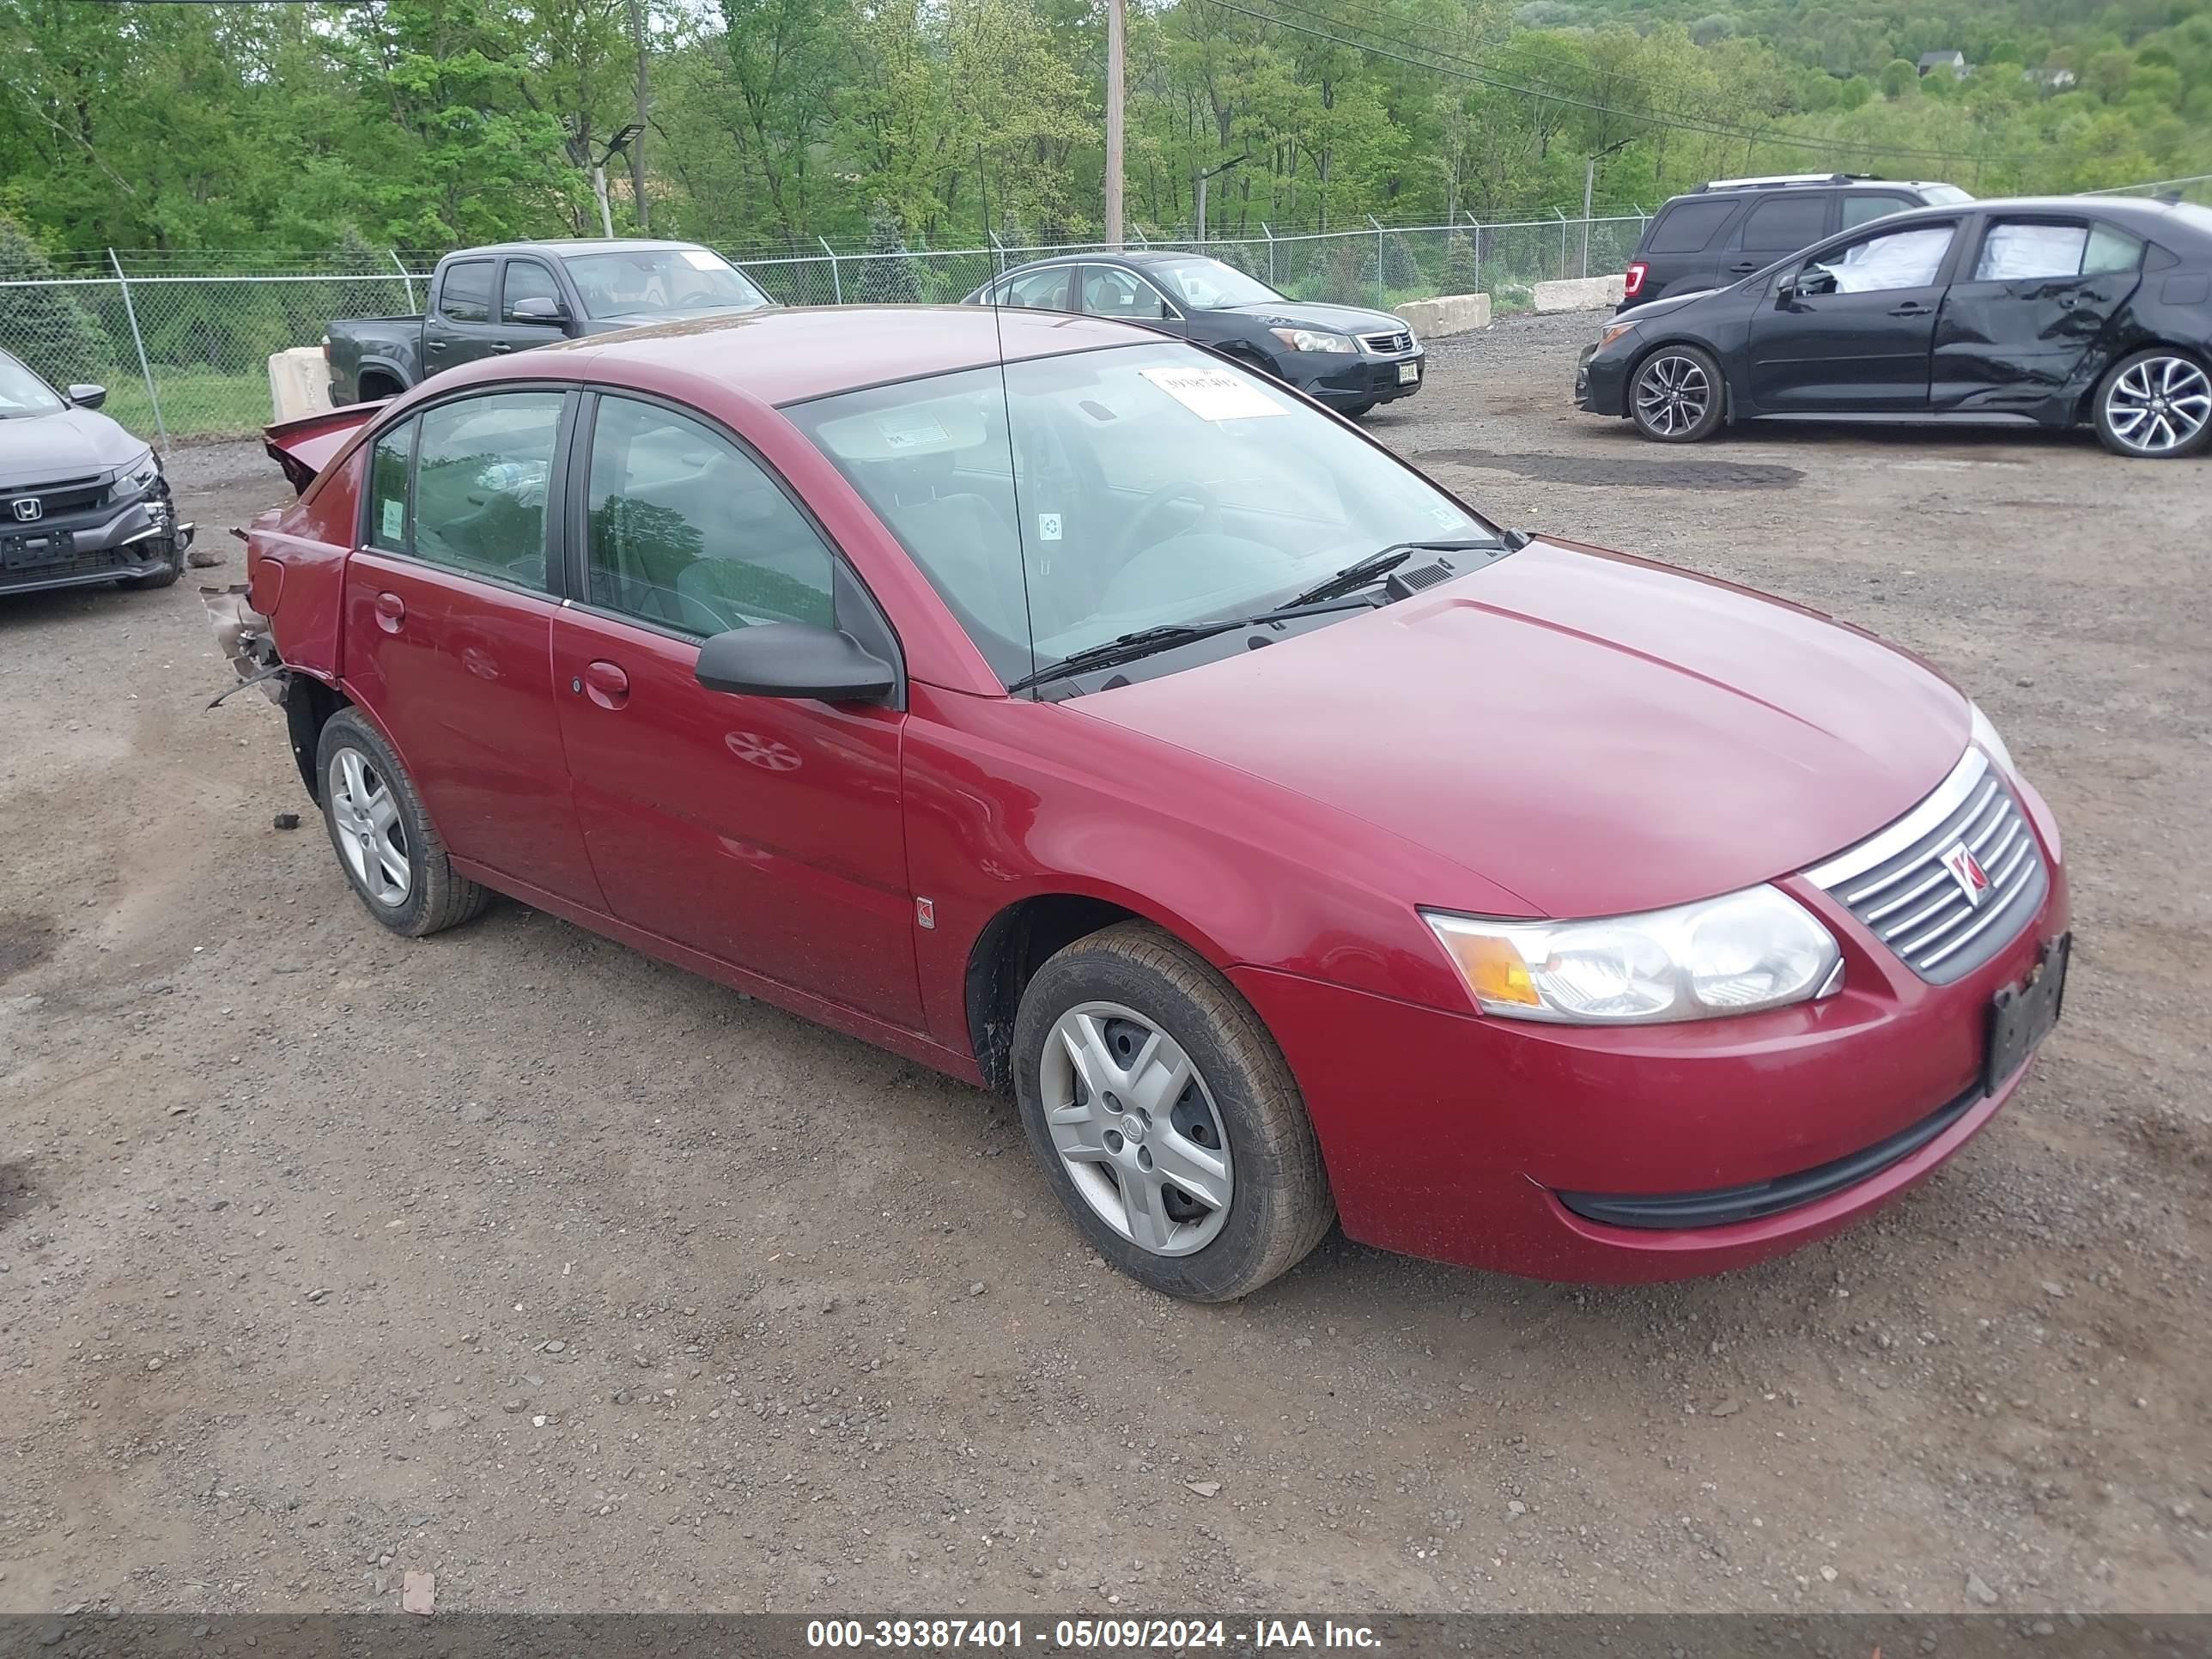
{"x": 1214, "y": 394}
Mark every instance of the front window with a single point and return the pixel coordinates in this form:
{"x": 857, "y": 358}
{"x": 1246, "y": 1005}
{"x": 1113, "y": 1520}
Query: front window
{"x": 1209, "y": 285}
{"x": 1140, "y": 485}
{"x": 1908, "y": 257}
{"x": 650, "y": 281}
{"x": 22, "y": 392}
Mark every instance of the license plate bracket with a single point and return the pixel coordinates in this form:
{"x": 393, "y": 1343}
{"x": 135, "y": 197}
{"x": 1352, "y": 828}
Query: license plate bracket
{"x": 2021, "y": 1016}
{"x": 47, "y": 547}
{"x": 1408, "y": 373}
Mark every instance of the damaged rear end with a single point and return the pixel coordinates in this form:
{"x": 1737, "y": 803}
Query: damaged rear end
{"x": 279, "y": 629}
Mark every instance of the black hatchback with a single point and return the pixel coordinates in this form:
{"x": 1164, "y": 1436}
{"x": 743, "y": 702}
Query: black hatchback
{"x": 1345, "y": 357}
{"x": 1730, "y": 228}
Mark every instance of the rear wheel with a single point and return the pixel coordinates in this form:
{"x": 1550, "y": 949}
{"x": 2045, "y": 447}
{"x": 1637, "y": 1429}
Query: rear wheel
{"x": 391, "y": 853}
{"x": 1165, "y": 1117}
{"x": 2155, "y": 405}
{"x": 1676, "y": 396}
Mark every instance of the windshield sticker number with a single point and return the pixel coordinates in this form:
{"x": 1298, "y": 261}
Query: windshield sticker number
{"x": 1214, "y": 394}
{"x": 395, "y": 520}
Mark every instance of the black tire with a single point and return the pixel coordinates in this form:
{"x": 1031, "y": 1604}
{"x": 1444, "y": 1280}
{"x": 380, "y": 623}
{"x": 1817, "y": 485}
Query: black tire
{"x": 167, "y": 574}
{"x": 2166, "y": 368}
{"x": 437, "y": 896}
{"x": 1677, "y": 395}
{"x": 1279, "y": 1204}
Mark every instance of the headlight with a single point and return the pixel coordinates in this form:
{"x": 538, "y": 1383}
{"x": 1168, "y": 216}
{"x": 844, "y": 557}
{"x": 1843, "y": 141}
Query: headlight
{"x": 1985, "y": 739}
{"x": 1313, "y": 339}
{"x": 140, "y": 473}
{"x": 1612, "y": 331}
{"x": 1732, "y": 955}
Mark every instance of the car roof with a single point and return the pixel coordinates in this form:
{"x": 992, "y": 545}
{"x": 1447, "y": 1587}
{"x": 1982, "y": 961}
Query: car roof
{"x": 789, "y": 355}
{"x": 2142, "y": 213}
{"x": 573, "y": 245}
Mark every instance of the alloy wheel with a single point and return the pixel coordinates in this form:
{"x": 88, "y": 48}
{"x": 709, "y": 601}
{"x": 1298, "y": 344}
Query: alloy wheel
{"x": 1672, "y": 394}
{"x": 1136, "y": 1129}
{"x": 371, "y": 834}
{"x": 2159, "y": 405}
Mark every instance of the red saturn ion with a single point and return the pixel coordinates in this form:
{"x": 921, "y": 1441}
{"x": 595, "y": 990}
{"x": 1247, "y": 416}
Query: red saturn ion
{"x": 1070, "y": 710}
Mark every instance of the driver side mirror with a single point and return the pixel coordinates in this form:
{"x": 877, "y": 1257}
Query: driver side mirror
{"x": 537, "y": 309}
{"x": 794, "y": 659}
{"x": 86, "y": 396}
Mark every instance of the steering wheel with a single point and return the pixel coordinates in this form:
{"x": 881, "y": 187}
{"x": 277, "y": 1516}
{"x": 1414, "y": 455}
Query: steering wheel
{"x": 1133, "y": 536}
{"x": 694, "y": 296}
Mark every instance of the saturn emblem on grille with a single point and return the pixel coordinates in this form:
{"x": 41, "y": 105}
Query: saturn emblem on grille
{"x": 1966, "y": 870}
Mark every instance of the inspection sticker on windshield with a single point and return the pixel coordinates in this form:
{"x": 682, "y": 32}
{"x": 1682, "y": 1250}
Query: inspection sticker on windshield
{"x": 908, "y": 431}
{"x": 1214, "y": 394}
{"x": 394, "y": 524}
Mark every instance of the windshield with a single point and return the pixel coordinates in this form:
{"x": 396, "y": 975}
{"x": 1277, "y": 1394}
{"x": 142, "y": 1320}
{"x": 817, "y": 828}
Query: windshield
{"x": 1150, "y": 484}
{"x": 1208, "y": 285}
{"x": 22, "y": 392}
{"x": 661, "y": 279}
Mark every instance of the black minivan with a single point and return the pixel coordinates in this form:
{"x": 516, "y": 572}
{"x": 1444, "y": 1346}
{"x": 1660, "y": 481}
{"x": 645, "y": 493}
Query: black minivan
{"x": 1732, "y": 227}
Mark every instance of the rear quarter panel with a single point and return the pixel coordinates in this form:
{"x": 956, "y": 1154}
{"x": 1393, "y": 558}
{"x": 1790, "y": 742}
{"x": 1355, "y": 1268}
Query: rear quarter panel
{"x": 296, "y": 558}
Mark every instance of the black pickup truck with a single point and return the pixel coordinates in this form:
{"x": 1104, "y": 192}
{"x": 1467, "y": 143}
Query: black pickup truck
{"x": 510, "y": 297}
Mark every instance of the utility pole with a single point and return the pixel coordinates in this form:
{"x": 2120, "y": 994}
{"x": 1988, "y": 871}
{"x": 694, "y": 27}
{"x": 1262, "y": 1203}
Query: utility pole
{"x": 644, "y": 113}
{"x": 1117, "y": 35}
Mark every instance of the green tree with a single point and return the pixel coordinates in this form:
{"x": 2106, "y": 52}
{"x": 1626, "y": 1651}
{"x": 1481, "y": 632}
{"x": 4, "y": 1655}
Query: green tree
{"x": 50, "y": 329}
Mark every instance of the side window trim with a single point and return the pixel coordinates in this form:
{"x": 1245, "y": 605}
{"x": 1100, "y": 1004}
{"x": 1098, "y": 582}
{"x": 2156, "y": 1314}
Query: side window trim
{"x": 364, "y": 538}
{"x": 846, "y": 580}
{"x": 555, "y": 590}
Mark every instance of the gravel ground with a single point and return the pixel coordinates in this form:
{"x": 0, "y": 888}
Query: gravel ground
{"x": 517, "y": 1258}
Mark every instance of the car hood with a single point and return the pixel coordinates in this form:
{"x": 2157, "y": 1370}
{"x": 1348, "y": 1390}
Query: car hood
{"x": 1299, "y": 314}
{"x": 1595, "y": 733}
{"x": 76, "y": 443}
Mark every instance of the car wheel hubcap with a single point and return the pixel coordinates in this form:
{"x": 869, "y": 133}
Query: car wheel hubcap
{"x": 2161, "y": 403}
{"x": 1672, "y": 394}
{"x": 370, "y": 836}
{"x": 1136, "y": 1129}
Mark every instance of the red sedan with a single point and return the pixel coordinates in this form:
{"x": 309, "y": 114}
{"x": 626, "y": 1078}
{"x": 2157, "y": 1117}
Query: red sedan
{"x": 1059, "y": 706}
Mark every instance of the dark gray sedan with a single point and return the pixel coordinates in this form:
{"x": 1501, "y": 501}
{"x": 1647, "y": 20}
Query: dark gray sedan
{"x": 1345, "y": 357}
{"x": 81, "y": 501}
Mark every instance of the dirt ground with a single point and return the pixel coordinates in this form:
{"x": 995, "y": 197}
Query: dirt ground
{"x": 517, "y": 1258}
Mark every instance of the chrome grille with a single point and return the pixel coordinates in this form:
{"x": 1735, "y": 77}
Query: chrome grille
{"x": 1901, "y": 885}
{"x": 1385, "y": 345}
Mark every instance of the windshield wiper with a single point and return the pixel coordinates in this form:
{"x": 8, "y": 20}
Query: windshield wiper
{"x": 1126, "y": 648}
{"x": 1360, "y": 572}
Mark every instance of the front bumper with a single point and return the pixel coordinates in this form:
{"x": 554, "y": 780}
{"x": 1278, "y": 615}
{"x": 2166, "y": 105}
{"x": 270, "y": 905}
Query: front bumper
{"x": 1601, "y": 382}
{"x": 1366, "y": 378}
{"x": 104, "y": 542}
{"x": 1480, "y": 1141}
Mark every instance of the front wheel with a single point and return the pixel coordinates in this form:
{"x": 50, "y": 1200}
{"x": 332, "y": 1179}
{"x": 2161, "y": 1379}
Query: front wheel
{"x": 1676, "y": 396}
{"x": 2155, "y": 405}
{"x": 1165, "y": 1117}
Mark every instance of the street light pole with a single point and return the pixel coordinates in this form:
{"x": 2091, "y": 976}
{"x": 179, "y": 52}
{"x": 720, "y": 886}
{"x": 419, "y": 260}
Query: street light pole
{"x": 1116, "y": 34}
{"x": 644, "y": 113}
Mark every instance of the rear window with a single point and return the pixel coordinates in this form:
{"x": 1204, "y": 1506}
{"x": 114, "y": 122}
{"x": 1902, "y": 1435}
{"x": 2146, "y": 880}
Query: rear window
{"x": 1689, "y": 227}
{"x": 1785, "y": 224}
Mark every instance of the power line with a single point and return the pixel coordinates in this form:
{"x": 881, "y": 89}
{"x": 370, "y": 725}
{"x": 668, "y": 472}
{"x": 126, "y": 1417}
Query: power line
{"x": 1481, "y": 75}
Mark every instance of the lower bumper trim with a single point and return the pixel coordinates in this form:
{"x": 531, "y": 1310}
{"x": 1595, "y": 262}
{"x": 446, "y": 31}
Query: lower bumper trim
{"x": 1722, "y": 1206}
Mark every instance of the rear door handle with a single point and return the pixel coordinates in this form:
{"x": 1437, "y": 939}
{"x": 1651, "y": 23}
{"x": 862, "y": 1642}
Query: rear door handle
{"x": 391, "y": 612}
{"x": 604, "y": 683}
{"x": 1743, "y": 269}
{"x": 1913, "y": 309}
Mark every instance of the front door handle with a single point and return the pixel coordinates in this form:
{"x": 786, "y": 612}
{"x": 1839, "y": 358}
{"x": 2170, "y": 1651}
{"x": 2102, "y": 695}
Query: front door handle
{"x": 391, "y": 612}
{"x": 604, "y": 683}
{"x": 500, "y": 345}
{"x": 1913, "y": 309}
{"x": 1742, "y": 269}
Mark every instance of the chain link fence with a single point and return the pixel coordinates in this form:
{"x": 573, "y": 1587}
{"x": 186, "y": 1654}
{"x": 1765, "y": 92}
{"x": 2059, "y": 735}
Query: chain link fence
{"x": 184, "y": 351}
{"x": 183, "y": 344}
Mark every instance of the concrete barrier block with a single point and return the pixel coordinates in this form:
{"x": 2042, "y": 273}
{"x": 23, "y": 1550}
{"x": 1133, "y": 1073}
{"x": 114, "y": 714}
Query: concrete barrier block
{"x": 1580, "y": 294}
{"x": 299, "y": 382}
{"x": 1446, "y": 315}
